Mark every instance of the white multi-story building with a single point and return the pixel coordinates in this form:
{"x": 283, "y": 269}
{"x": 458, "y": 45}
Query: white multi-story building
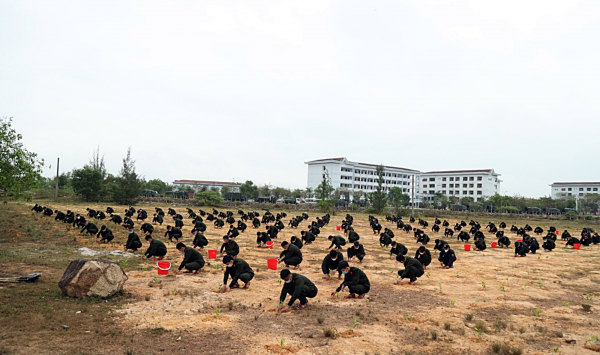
{"x": 197, "y": 185}
{"x": 580, "y": 189}
{"x": 460, "y": 183}
{"x": 355, "y": 176}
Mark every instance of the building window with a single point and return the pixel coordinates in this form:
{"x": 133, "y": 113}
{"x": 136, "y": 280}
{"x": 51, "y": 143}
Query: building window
{"x": 581, "y": 189}
{"x": 457, "y": 192}
{"x": 589, "y": 189}
{"x": 470, "y": 192}
{"x": 471, "y": 185}
{"x": 595, "y": 189}
{"x": 443, "y": 192}
{"x": 569, "y": 189}
{"x": 479, "y": 186}
{"x": 464, "y": 192}
{"x": 464, "y": 178}
{"x": 443, "y": 179}
{"x": 471, "y": 178}
{"x": 465, "y": 186}
{"x": 443, "y": 185}
{"x": 580, "y": 194}
{"x": 563, "y": 189}
{"x": 431, "y": 192}
{"x": 450, "y": 192}
{"x": 570, "y": 194}
{"x": 479, "y": 178}
{"x": 431, "y": 179}
{"x": 451, "y": 179}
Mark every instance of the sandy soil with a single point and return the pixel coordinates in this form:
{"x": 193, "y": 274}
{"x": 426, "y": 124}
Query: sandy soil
{"x": 533, "y": 303}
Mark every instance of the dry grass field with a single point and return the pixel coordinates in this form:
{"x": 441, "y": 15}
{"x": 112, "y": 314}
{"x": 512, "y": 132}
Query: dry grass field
{"x": 489, "y": 303}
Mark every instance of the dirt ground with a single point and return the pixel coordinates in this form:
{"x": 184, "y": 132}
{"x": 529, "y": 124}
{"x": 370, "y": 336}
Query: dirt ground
{"x": 534, "y": 304}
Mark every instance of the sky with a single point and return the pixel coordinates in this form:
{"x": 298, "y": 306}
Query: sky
{"x": 251, "y": 90}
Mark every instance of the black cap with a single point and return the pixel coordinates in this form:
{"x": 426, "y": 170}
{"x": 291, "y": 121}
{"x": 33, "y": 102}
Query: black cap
{"x": 149, "y": 236}
{"x": 421, "y": 249}
{"x": 356, "y": 243}
{"x": 284, "y": 273}
{"x": 343, "y": 264}
{"x": 225, "y": 237}
{"x": 180, "y": 245}
{"x": 284, "y": 243}
{"x": 333, "y": 254}
{"x": 400, "y": 257}
{"x": 227, "y": 259}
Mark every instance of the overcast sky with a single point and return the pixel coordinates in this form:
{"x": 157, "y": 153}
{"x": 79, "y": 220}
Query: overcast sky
{"x": 244, "y": 90}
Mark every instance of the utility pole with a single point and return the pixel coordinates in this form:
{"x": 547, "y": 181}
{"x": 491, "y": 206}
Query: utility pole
{"x": 57, "y": 167}
{"x": 412, "y": 213}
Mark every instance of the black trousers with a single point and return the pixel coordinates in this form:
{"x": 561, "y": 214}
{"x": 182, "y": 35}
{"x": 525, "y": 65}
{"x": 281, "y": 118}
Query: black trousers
{"x": 307, "y": 292}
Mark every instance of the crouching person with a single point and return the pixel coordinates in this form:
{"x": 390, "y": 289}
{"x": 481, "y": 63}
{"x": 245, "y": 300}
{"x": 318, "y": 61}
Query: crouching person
{"x": 238, "y": 269}
{"x": 299, "y": 287}
{"x": 355, "y": 280}
{"x": 156, "y": 250}
{"x": 413, "y": 269}
{"x": 192, "y": 259}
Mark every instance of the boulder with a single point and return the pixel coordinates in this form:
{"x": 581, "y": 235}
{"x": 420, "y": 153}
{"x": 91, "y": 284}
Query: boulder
{"x": 92, "y": 277}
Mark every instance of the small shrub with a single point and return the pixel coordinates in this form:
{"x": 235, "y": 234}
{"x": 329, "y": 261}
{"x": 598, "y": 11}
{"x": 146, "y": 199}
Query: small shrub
{"x": 481, "y": 326}
{"x": 330, "y": 333}
{"x": 230, "y": 306}
{"x": 540, "y": 329}
{"x": 500, "y": 325}
{"x": 447, "y": 326}
{"x": 522, "y": 330}
{"x": 147, "y": 298}
{"x": 469, "y": 317}
{"x": 462, "y": 332}
{"x": 434, "y": 335}
{"x": 558, "y": 334}
{"x": 505, "y": 349}
{"x": 586, "y": 307}
{"x": 320, "y": 319}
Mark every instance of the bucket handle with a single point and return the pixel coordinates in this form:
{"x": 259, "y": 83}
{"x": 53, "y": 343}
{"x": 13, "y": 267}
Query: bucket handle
{"x": 160, "y": 268}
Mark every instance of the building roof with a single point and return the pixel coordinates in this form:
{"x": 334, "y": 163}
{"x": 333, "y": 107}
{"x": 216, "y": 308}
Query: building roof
{"x": 201, "y": 182}
{"x": 357, "y": 163}
{"x": 576, "y": 183}
{"x": 488, "y": 171}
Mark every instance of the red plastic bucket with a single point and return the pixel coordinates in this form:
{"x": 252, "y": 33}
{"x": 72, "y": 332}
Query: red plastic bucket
{"x": 272, "y": 263}
{"x": 556, "y": 232}
{"x": 520, "y": 240}
{"x": 212, "y": 253}
{"x": 338, "y": 228}
{"x": 467, "y": 247}
{"x": 576, "y": 246}
{"x": 269, "y": 245}
{"x": 163, "y": 267}
{"x": 494, "y": 244}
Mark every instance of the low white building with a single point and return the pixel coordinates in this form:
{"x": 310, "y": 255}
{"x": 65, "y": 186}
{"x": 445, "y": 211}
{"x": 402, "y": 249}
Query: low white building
{"x": 197, "y": 185}
{"x": 460, "y": 183}
{"x": 355, "y": 176}
{"x": 579, "y": 189}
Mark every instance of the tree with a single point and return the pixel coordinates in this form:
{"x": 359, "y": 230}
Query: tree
{"x": 98, "y": 163}
{"x": 397, "y": 198}
{"x": 309, "y": 192}
{"x": 249, "y": 190}
{"x": 19, "y": 168}
{"x": 87, "y": 183}
{"x": 379, "y": 197}
{"x": 441, "y": 200}
{"x": 156, "y": 185}
{"x": 264, "y": 190}
{"x": 129, "y": 186}
{"x": 209, "y": 198}
{"x": 225, "y": 190}
{"x": 324, "y": 193}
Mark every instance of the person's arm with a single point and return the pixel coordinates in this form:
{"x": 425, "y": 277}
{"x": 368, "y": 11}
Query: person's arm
{"x": 222, "y": 248}
{"x": 282, "y": 255}
{"x": 332, "y": 244}
{"x": 283, "y": 294}
{"x": 84, "y": 228}
{"x": 186, "y": 258}
{"x": 235, "y": 248}
{"x": 226, "y": 276}
{"x": 353, "y": 280}
{"x": 239, "y": 269}
{"x": 98, "y": 234}
{"x": 149, "y": 252}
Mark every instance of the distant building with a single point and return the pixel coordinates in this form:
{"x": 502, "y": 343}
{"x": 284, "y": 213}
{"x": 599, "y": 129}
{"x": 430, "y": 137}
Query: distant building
{"x": 580, "y": 189}
{"x": 359, "y": 176}
{"x": 355, "y": 176}
{"x": 198, "y": 185}
{"x": 460, "y": 183}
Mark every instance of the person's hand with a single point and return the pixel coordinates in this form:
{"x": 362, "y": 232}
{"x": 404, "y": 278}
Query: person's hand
{"x": 283, "y": 309}
{"x": 176, "y": 272}
{"x": 225, "y": 288}
{"x": 333, "y": 294}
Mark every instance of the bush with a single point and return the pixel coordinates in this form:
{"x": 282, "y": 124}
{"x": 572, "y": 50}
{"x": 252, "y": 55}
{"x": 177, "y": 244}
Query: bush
{"x": 505, "y": 349}
{"x": 209, "y": 198}
{"x": 330, "y": 333}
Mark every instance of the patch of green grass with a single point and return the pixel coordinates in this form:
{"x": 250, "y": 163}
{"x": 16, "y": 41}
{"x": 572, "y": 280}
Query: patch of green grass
{"x": 506, "y": 349}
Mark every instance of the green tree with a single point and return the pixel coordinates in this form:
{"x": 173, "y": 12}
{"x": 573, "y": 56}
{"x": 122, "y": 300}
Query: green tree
{"x": 249, "y": 190}
{"x": 156, "y": 185}
{"x": 129, "y": 185}
{"x": 309, "y": 192}
{"x": 87, "y": 183}
{"x": 379, "y": 197}
{"x": 324, "y": 192}
{"x": 225, "y": 190}
{"x": 264, "y": 190}
{"x": 440, "y": 200}
{"x": 209, "y": 198}
{"x": 19, "y": 168}
{"x": 297, "y": 193}
{"x": 397, "y": 198}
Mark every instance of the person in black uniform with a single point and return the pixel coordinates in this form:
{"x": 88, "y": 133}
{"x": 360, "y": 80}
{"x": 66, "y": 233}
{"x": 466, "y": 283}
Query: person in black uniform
{"x": 192, "y": 259}
{"x": 89, "y": 228}
{"x": 331, "y": 263}
{"x": 397, "y": 249}
{"x": 107, "y": 235}
{"x": 355, "y": 280}
{"x": 229, "y": 247}
{"x": 308, "y": 237}
{"x": 336, "y": 240}
{"x": 291, "y": 255}
{"x": 133, "y": 241}
{"x": 238, "y": 269}
{"x": 173, "y": 232}
{"x": 548, "y": 244}
{"x": 356, "y": 251}
{"x": 156, "y": 250}
{"x": 299, "y": 287}
{"x": 447, "y": 257}
{"x": 424, "y": 257}
{"x": 413, "y": 269}
{"x": 200, "y": 240}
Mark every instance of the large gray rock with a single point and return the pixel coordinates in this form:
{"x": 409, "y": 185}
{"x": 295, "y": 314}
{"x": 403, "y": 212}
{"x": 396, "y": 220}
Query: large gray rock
{"x": 85, "y": 277}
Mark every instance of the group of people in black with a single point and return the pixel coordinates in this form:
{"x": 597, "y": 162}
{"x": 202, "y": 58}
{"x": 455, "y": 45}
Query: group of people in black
{"x": 355, "y": 281}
